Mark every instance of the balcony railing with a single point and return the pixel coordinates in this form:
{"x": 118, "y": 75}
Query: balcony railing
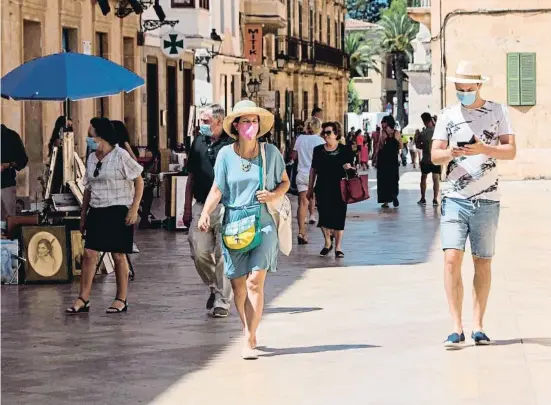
{"x": 329, "y": 55}
{"x": 296, "y": 49}
{"x": 419, "y": 3}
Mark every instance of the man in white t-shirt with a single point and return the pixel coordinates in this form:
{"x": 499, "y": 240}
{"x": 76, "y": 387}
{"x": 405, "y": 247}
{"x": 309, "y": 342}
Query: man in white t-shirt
{"x": 470, "y": 137}
{"x": 304, "y": 151}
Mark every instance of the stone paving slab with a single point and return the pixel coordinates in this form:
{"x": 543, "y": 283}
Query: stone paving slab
{"x": 366, "y": 332}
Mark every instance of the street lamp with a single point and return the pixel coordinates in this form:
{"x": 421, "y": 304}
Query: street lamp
{"x": 253, "y": 86}
{"x": 216, "y": 44}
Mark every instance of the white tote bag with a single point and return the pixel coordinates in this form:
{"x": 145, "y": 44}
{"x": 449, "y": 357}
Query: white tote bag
{"x": 280, "y": 210}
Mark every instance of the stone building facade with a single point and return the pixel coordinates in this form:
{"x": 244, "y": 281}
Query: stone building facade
{"x": 494, "y": 34}
{"x": 34, "y": 28}
{"x": 310, "y": 35}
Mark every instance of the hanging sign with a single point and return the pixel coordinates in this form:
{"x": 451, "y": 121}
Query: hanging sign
{"x": 172, "y": 44}
{"x": 253, "y": 44}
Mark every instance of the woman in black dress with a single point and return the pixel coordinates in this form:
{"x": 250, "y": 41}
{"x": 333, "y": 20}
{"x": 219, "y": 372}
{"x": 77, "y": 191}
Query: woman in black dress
{"x": 388, "y": 175}
{"x": 329, "y": 165}
{"x": 113, "y": 190}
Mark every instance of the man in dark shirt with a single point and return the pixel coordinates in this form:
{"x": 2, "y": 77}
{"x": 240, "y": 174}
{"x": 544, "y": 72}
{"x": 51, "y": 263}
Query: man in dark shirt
{"x": 206, "y": 247}
{"x": 13, "y": 159}
{"x": 424, "y": 142}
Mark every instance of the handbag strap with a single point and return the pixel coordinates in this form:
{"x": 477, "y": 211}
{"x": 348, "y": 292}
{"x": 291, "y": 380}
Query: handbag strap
{"x": 263, "y": 158}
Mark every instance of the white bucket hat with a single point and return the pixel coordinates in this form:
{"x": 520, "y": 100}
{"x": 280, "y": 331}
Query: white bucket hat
{"x": 247, "y": 107}
{"x": 467, "y": 73}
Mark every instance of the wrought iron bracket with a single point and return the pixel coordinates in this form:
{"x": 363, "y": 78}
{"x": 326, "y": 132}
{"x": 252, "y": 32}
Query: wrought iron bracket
{"x": 152, "y": 25}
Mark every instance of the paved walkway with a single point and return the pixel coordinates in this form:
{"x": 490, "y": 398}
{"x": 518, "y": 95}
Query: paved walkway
{"x": 366, "y": 332}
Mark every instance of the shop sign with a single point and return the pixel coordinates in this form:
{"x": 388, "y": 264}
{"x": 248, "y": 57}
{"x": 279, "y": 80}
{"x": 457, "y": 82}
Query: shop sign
{"x": 253, "y": 44}
{"x": 172, "y": 44}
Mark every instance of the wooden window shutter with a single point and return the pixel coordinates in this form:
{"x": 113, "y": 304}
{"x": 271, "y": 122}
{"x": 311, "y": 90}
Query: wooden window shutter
{"x": 513, "y": 79}
{"x": 528, "y": 79}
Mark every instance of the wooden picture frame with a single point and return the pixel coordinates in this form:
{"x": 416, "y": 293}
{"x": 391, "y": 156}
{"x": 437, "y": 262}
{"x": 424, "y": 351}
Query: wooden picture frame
{"x": 51, "y": 169}
{"x": 68, "y": 149}
{"x": 46, "y": 251}
{"x": 8, "y": 263}
{"x": 80, "y": 168}
{"x": 77, "y": 252}
{"x": 191, "y": 123}
{"x": 77, "y": 191}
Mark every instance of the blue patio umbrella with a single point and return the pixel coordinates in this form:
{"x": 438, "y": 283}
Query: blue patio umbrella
{"x": 72, "y": 76}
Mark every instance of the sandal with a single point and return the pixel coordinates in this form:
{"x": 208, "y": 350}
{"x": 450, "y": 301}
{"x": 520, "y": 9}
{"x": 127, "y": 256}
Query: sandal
{"x": 325, "y": 251}
{"x": 82, "y": 309}
{"x": 301, "y": 239}
{"x": 339, "y": 254}
{"x": 115, "y": 310}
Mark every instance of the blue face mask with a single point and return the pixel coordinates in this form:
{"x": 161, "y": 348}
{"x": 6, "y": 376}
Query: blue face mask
{"x": 205, "y": 130}
{"x": 466, "y": 97}
{"x": 91, "y": 144}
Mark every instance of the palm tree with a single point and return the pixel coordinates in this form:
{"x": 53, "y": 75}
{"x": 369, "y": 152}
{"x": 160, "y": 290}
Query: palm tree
{"x": 396, "y": 37}
{"x": 363, "y": 54}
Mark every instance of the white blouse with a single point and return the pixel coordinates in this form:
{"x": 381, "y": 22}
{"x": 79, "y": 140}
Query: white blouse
{"x": 114, "y": 184}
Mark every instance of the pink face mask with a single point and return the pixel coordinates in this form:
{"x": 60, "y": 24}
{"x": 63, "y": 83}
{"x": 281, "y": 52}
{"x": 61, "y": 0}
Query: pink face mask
{"x": 248, "y": 130}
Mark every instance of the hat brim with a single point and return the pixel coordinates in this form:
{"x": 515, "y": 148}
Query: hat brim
{"x": 266, "y": 120}
{"x": 462, "y": 80}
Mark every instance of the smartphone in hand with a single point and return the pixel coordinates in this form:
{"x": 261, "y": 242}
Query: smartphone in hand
{"x": 470, "y": 142}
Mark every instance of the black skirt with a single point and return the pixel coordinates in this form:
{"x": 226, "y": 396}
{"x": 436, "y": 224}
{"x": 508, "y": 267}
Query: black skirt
{"x": 106, "y": 230}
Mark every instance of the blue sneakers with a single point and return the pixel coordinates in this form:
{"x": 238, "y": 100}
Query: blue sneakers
{"x": 454, "y": 341}
{"x": 480, "y": 338}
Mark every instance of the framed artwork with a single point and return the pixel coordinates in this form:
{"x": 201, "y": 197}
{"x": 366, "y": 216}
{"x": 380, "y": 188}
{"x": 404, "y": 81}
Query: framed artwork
{"x": 65, "y": 202}
{"x": 108, "y": 263}
{"x": 77, "y": 191}
{"x": 51, "y": 170}
{"x": 68, "y": 149}
{"x": 181, "y": 182}
{"x": 45, "y": 249}
{"x": 80, "y": 169}
{"x": 22, "y": 204}
{"x": 191, "y": 123}
{"x": 9, "y": 251}
{"x": 77, "y": 252}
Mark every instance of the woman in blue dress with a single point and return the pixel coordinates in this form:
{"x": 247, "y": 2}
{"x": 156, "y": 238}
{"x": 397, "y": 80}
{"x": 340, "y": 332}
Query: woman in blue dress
{"x": 239, "y": 184}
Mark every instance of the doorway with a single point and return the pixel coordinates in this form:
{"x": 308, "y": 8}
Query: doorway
{"x": 152, "y": 106}
{"x": 171, "y": 107}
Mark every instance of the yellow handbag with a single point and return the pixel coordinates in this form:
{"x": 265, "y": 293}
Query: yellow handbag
{"x": 243, "y": 235}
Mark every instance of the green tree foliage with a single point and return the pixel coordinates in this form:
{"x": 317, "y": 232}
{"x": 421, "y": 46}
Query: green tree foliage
{"x": 366, "y": 10}
{"x": 397, "y": 34}
{"x": 354, "y": 102}
{"x": 363, "y": 53}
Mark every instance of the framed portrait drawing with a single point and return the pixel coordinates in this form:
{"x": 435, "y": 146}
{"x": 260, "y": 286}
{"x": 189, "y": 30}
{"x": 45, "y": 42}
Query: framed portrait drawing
{"x": 45, "y": 249}
{"x": 9, "y": 251}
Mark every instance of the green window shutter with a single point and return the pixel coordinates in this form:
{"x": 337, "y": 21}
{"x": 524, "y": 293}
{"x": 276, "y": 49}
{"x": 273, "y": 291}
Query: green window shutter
{"x": 513, "y": 79}
{"x": 527, "y": 79}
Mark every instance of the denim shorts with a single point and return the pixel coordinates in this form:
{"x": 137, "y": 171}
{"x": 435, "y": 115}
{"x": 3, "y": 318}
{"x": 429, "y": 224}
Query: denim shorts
{"x": 476, "y": 219}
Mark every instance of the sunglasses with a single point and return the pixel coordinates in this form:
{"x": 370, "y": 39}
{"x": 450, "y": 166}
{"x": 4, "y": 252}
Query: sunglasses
{"x": 327, "y": 133}
{"x": 98, "y": 168}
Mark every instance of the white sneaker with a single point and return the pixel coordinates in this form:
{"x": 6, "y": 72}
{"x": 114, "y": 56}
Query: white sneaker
{"x": 135, "y": 248}
{"x": 313, "y": 219}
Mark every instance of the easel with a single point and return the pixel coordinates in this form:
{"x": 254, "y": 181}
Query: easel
{"x": 131, "y": 273}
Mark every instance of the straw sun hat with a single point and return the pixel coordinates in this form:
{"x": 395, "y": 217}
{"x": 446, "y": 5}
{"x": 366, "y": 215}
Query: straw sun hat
{"x": 247, "y": 107}
{"x": 467, "y": 73}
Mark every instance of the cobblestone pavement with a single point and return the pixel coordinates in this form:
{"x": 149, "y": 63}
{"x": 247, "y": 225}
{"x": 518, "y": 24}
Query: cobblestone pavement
{"x": 364, "y": 330}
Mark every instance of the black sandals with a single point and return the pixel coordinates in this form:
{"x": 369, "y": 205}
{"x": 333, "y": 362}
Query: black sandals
{"x": 339, "y": 254}
{"x": 325, "y": 251}
{"x": 83, "y": 309}
{"x": 301, "y": 239}
{"x": 115, "y": 310}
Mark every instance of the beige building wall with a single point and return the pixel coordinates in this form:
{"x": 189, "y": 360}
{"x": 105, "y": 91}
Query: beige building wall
{"x": 487, "y": 39}
{"x": 33, "y": 28}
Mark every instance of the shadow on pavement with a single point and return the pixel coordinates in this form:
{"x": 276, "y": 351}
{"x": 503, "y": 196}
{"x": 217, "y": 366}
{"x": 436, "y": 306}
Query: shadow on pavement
{"x": 525, "y": 341}
{"x": 271, "y": 352}
{"x": 291, "y": 310}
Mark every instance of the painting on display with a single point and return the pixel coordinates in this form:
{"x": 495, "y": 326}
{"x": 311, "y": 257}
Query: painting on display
{"x": 77, "y": 252}
{"x": 180, "y": 194}
{"x": 45, "y": 250}
{"x": 9, "y": 251}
